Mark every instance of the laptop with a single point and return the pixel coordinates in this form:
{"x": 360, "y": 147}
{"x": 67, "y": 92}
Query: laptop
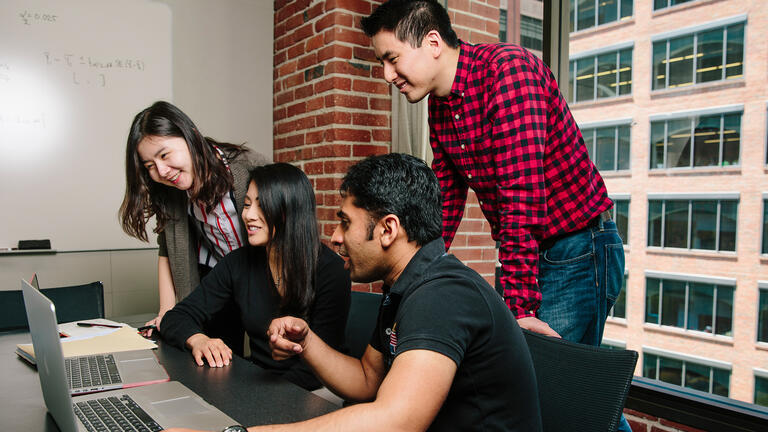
{"x": 109, "y": 371}
{"x": 151, "y": 407}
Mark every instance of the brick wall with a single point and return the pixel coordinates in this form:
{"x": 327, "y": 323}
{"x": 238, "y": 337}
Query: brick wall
{"x": 332, "y": 106}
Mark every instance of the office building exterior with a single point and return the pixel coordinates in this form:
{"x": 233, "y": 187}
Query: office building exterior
{"x": 672, "y": 98}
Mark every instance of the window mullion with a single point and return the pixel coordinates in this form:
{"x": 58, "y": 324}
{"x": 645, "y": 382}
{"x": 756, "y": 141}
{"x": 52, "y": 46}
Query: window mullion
{"x": 714, "y": 310}
{"x": 695, "y": 57}
{"x": 661, "y": 297}
{"x": 616, "y": 148}
{"x": 725, "y": 53}
{"x": 722, "y": 140}
{"x": 666, "y": 139}
{"x": 663, "y": 222}
{"x": 689, "y": 229}
{"x": 666, "y": 73}
{"x": 717, "y": 225}
{"x": 692, "y": 140}
{"x": 685, "y": 308}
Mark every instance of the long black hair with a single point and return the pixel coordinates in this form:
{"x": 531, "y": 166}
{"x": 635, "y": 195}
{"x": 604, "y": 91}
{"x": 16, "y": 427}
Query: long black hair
{"x": 288, "y": 201}
{"x": 145, "y": 197}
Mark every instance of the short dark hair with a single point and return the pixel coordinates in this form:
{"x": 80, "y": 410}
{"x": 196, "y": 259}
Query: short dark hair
{"x": 288, "y": 201}
{"x": 401, "y": 185}
{"x": 410, "y": 21}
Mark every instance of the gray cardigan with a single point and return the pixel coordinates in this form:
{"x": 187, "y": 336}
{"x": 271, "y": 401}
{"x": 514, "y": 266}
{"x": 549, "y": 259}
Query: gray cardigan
{"x": 174, "y": 240}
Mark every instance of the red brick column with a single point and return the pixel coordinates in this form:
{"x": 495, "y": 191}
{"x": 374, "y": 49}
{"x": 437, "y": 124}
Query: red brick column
{"x": 332, "y": 106}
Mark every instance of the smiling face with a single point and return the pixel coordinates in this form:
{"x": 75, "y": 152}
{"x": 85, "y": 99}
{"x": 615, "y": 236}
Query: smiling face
{"x": 167, "y": 160}
{"x": 253, "y": 217}
{"x": 352, "y": 237}
{"x": 412, "y": 70}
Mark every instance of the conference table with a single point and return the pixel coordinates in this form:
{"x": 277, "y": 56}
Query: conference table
{"x": 242, "y": 390}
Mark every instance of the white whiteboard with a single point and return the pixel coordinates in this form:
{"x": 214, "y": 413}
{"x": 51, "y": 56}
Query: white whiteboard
{"x": 72, "y": 76}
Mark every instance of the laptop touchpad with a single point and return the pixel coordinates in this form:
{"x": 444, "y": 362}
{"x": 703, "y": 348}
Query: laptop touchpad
{"x": 181, "y": 406}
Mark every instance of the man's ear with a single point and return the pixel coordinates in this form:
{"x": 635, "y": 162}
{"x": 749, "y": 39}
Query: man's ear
{"x": 389, "y": 228}
{"x": 435, "y": 42}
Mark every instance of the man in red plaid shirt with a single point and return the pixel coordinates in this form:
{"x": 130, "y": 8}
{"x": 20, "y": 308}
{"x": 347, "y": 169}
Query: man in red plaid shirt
{"x": 499, "y": 125}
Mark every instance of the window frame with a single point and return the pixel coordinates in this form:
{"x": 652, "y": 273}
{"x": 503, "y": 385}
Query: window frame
{"x": 669, "y": 6}
{"x": 719, "y": 197}
{"x": 688, "y": 279}
{"x": 574, "y": 9}
{"x": 695, "y": 31}
{"x": 622, "y": 197}
{"x": 594, "y": 54}
{"x": 692, "y": 115}
{"x": 616, "y": 124}
{"x": 762, "y": 287}
{"x": 687, "y": 358}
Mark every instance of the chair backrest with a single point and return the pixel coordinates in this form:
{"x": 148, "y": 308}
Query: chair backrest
{"x": 73, "y": 303}
{"x": 581, "y": 387}
{"x": 363, "y": 310}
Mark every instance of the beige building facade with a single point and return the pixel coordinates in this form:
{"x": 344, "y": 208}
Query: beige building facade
{"x": 673, "y": 100}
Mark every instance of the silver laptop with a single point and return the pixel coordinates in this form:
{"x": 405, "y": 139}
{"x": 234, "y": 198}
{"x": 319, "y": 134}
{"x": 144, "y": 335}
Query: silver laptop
{"x": 152, "y": 407}
{"x": 110, "y": 371}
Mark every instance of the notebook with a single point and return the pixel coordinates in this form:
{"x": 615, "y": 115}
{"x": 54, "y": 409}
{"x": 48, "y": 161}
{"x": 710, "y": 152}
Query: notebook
{"x": 151, "y": 407}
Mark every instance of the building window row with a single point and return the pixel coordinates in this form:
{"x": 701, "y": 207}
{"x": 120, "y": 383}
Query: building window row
{"x": 711, "y": 55}
{"x": 592, "y": 13}
{"x": 689, "y": 305}
{"x": 696, "y": 141}
{"x": 531, "y": 30}
{"x": 608, "y": 74}
{"x": 704, "y": 224}
{"x": 686, "y": 373}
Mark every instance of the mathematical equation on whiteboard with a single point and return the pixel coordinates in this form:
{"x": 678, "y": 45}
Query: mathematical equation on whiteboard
{"x": 90, "y": 71}
{"x": 36, "y": 17}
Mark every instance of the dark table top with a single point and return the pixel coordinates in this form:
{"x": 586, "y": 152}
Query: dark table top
{"x": 244, "y": 391}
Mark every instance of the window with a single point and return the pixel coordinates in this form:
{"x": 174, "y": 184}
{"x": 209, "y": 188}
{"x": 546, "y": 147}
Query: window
{"x": 695, "y": 305}
{"x": 765, "y": 226}
{"x": 712, "y": 54}
{"x": 705, "y": 224}
{"x": 621, "y": 216}
{"x": 602, "y": 75}
{"x": 697, "y": 140}
{"x": 503, "y": 25}
{"x": 662, "y": 4}
{"x": 591, "y": 13}
{"x": 608, "y": 147}
{"x": 686, "y": 373}
{"x": 531, "y": 33}
{"x": 762, "y": 314}
{"x": 761, "y": 390}
{"x": 619, "y": 309}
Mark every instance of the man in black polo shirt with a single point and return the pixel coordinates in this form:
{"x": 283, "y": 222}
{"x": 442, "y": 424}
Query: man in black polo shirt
{"x": 446, "y": 355}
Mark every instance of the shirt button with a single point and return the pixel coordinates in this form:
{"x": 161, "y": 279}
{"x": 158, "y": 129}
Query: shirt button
{"x": 456, "y": 116}
{"x": 462, "y": 146}
{"x": 481, "y": 202}
{"x": 462, "y": 94}
{"x": 469, "y": 175}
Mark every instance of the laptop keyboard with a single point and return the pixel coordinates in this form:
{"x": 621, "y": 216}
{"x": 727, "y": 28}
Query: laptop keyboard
{"x": 92, "y": 371}
{"x": 114, "y": 414}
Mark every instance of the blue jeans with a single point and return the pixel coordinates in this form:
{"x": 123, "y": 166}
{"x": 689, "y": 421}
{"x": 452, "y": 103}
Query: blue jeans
{"x": 580, "y": 277}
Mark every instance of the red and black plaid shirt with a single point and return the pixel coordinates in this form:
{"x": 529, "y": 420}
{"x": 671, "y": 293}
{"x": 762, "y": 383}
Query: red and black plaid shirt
{"x": 506, "y": 131}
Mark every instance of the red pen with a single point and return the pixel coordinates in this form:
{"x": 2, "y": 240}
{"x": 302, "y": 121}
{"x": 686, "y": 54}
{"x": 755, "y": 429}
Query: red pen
{"x": 87, "y": 324}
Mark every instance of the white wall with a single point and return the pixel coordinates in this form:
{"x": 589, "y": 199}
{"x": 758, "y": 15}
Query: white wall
{"x": 222, "y": 78}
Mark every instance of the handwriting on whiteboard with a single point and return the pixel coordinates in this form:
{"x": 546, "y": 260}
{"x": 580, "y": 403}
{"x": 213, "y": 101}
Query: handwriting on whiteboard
{"x": 29, "y": 18}
{"x": 91, "y": 71}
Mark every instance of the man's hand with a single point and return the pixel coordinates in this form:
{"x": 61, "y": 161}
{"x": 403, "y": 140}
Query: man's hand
{"x": 215, "y": 351}
{"x": 537, "y": 326}
{"x": 288, "y": 336}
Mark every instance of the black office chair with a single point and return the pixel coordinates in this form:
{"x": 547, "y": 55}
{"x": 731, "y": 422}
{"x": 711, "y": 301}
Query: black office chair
{"x": 363, "y": 310}
{"x": 581, "y": 387}
{"x": 73, "y": 303}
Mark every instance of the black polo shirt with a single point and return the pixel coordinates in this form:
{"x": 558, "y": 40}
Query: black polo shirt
{"x": 441, "y": 305}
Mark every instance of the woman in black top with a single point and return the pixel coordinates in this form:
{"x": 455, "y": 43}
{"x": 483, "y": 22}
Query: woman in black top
{"x": 284, "y": 270}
